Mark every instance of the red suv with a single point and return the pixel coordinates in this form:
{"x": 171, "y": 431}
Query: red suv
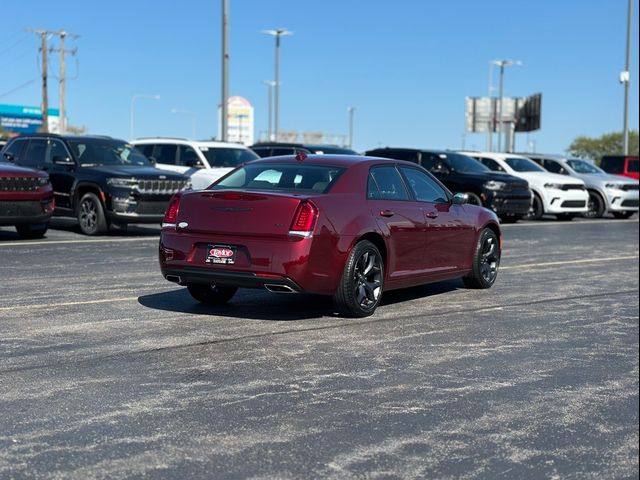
{"x": 26, "y": 200}
{"x": 620, "y": 165}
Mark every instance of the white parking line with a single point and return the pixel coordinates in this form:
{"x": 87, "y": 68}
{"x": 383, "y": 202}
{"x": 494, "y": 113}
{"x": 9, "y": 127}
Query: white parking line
{"x": 569, "y": 262}
{"x": 62, "y": 242}
{"x": 67, "y": 304}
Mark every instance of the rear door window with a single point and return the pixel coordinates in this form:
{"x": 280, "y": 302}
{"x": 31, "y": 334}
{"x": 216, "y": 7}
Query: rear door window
{"x": 491, "y": 164}
{"x": 165, "y": 153}
{"x": 15, "y": 149}
{"x": 188, "y": 157}
{"x": 424, "y": 188}
{"x": 35, "y": 153}
{"x": 389, "y": 183}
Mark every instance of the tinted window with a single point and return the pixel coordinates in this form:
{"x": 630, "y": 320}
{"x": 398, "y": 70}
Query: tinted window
{"x": 228, "y": 157}
{"x": 289, "y": 177}
{"x": 262, "y": 151}
{"x": 94, "y": 151}
{"x": 373, "y": 193}
{"x": 523, "y": 165}
{"x": 554, "y": 167}
{"x": 462, "y": 163}
{"x": 581, "y": 166}
{"x": 424, "y": 187}
{"x": 389, "y": 183}
{"x": 165, "y": 153}
{"x": 14, "y": 149}
{"x": 147, "y": 150}
{"x": 188, "y": 156}
{"x": 35, "y": 153}
{"x": 613, "y": 165}
{"x": 633, "y": 166}
{"x": 491, "y": 164}
{"x": 56, "y": 149}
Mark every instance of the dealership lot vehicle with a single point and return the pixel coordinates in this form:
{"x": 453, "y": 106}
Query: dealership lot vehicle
{"x": 552, "y": 193}
{"x": 204, "y": 162}
{"x": 508, "y": 196}
{"x": 26, "y": 200}
{"x": 346, "y": 226}
{"x": 620, "y": 165}
{"x": 97, "y": 180}
{"x": 274, "y": 149}
{"x": 607, "y": 193}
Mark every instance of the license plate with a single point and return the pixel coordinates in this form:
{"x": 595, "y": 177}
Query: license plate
{"x": 221, "y": 254}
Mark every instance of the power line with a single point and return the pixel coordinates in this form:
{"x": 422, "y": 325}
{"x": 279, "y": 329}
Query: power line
{"x": 18, "y": 88}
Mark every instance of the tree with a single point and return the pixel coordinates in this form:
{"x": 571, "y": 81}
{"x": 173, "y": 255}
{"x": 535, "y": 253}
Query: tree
{"x": 607, "y": 144}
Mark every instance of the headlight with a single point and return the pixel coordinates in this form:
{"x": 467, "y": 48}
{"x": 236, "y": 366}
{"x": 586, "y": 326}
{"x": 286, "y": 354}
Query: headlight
{"x": 122, "y": 182}
{"x": 495, "y": 185}
{"x": 187, "y": 186}
{"x": 42, "y": 181}
{"x": 614, "y": 186}
{"x": 555, "y": 186}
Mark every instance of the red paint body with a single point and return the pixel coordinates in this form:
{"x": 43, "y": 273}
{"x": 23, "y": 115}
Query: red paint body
{"x": 23, "y": 197}
{"x": 421, "y": 242}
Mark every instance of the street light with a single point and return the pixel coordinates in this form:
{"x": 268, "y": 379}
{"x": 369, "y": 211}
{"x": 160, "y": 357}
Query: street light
{"x": 624, "y": 79}
{"x": 351, "y": 110}
{"x": 133, "y": 99}
{"x": 193, "y": 119}
{"x": 502, "y": 64}
{"x": 277, "y": 33}
{"x": 270, "y": 84}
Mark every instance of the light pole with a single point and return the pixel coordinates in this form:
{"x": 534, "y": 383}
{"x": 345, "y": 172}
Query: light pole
{"x": 624, "y": 78}
{"x": 351, "y": 110}
{"x": 277, "y": 33}
{"x": 270, "y": 84}
{"x": 193, "y": 119}
{"x": 133, "y": 99}
{"x": 224, "y": 111}
{"x": 492, "y": 115}
{"x": 502, "y": 64}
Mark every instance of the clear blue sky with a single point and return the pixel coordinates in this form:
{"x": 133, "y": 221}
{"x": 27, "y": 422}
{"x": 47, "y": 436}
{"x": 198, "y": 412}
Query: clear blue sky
{"x": 405, "y": 65}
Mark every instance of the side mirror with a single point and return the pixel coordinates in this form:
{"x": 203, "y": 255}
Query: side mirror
{"x": 460, "y": 199}
{"x": 9, "y": 158}
{"x": 153, "y": 161}
{"x": 63, "y": 160}
{"x": 194, "y": 163}
{"x": 440, "y": 168}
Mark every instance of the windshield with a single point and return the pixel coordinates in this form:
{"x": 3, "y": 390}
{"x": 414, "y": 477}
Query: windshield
{"x": 462, "y": 163}
{"x": 580, "y": 166}
{"x": 523, "y": 165}
{"x": 281, "y": 178}
{"x": 91, "y": 152}
{"x": 228, "y": 157}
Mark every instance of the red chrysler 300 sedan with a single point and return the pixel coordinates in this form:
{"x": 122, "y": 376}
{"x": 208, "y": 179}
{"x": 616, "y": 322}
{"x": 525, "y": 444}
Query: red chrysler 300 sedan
{"x": 26, "y": 200}
{"x": 347, "y": 226}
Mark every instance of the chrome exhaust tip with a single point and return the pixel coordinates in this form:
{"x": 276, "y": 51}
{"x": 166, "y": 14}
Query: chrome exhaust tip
{"x": 173, "y": 278}
{"x": 274, "y": 288}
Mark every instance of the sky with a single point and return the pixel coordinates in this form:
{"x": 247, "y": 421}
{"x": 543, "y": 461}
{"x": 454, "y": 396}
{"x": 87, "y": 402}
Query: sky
{"x": 405, "y": 66}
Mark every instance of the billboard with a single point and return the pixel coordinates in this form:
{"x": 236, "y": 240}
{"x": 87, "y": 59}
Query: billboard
{"x": 481, "y": 113}
{"x": 240, "y": 121}
{"x": 23, "y": 119}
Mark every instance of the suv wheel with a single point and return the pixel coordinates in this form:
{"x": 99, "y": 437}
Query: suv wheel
{"x": 595, "y": 205}
{"x": 91, "y": 216}
{"x": 537, "y": 209}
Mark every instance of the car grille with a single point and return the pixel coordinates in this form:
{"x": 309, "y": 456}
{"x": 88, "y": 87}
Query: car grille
{"x": 630, "y": 203}
{"x": 573, "y": 186}
{"x": 574, "y": 203}
{"x": 160, "y": 186}
{"x": 19, "y": 184}
{"x": 628, "y": 188}
{"x": 517, "y": 186}
{"x": 20, "y": 209}
{"x": 151, "y": 208}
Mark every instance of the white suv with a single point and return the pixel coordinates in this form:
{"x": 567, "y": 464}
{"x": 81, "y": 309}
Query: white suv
{"x": 204, "y": 162}
{"x": 552, "y": 193}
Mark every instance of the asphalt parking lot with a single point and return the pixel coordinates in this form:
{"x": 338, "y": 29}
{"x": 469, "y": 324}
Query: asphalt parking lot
{"x": 109, "y": 371}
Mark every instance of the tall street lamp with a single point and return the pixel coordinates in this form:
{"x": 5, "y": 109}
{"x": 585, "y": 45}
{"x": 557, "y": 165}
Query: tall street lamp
{"x": 270, "y": 84}
{"x": 350, "y": 110}
{"x": 502, "y": 64}
{"x": 133, "y": 99}
{"x": 277, "y": 33}
{"x": 193, "y": 119}
{"x": 624, "y": 78}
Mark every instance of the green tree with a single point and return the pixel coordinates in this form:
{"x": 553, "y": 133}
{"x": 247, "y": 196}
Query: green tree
{"x": 607, "y": 144}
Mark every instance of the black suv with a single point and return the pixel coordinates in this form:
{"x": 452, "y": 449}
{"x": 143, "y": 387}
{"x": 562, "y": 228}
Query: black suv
{"x": 508, "y": 196}
{"x": 273, "y": 149}
{"x": 98, "y": 180}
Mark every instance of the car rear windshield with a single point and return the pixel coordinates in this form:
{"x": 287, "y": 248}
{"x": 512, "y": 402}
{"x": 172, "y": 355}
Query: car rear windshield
{"x": 581, "y": 166}
{"x": 523, "y": 165}
{"x": 283, "y": 178}
{"x": 228, "y": 157}
{"x": 91, "y": 152}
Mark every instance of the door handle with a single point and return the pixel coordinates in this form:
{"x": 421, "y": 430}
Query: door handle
{"x": 386, "y": 213}
{"x": 431, "y": 214}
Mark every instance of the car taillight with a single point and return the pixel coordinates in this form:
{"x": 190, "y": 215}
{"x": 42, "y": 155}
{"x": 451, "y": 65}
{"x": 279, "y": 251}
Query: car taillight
{"x": 171, "y": 215}
{"x": 304, "y": 219}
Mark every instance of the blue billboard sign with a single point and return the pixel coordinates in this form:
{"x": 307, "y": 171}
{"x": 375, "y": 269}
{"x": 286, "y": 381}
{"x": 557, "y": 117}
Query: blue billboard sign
{"x": 21, "y": 119}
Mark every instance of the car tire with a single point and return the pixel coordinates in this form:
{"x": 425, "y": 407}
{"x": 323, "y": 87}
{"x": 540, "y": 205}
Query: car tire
{"x": 212, "y": 294}
{"x": 486, "y": 260}
{"x": 362, "y": 281}
{"x": 566, "y": 217}
{"x": 622, "y": 215}
{"x": 595, "y": 205}
{"x": 510, "y": 218}
{"x": 537, "y": 209}
{"x": 90, "y": 214}
{"x": 32, "y": 231}
{"x": 474, "y": 199}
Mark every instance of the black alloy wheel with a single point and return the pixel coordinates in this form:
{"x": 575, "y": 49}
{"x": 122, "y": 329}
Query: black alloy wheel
{"x": 623, "y": 215}
{"x": 595, "y": 206}
{"x": 536, "y": 210}
{"x": 91, "y": 216}
{"x": 474, "y": 199}
{"x": 486, "y": 261}
{"x": 361, "y": 285}
{"x": 212, "y": 294}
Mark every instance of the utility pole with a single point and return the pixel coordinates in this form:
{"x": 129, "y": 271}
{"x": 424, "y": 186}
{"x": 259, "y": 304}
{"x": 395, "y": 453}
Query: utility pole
{"x": 45, "y": 99}
{"x": 350, "y": 110}
{"x": 225, "y": 72}
{"x": 62, "y": 82}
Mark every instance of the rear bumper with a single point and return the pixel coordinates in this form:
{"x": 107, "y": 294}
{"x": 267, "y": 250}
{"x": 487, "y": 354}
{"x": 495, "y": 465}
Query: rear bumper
{"x": 199, "y": 275}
